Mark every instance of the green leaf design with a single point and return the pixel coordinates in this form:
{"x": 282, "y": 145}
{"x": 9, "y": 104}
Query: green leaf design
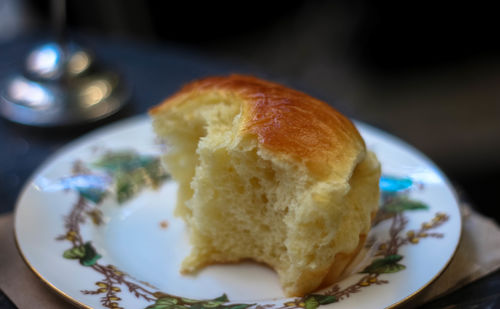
{"x": 156, "y": 173}
{"x": 385, "y": 265}
{"x": 91, "y": 256}
{"x": 402, "y": 203}
{"x": 126, "y": 187}
{"x": 94, "y": 195}
{"x": 222, "y": 298}
{"x": 74, "y": 253}
{"x": 324, "y": 299}
{"x": 211, "y": 304}
{"x": 311, "y": 303}
{"x": 131, "y": 172}
{"x": 118, "y": 160}
{"x": 166, "y": 302}
{"x": 393, "y": 268}
{"x": 189, "y": 300}
{"x": 86, "y": 253}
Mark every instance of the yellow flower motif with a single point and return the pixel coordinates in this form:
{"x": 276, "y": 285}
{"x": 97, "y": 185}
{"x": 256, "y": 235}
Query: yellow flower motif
{"x": 101, "y": 284}
{"x": 441, "y": 215}
{"x": 426, "y": 225}
{"x": 71, "y": 235}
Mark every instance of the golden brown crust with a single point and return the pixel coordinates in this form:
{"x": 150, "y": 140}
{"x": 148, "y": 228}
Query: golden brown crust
{"x": 286, "y": 125}
{"x": 286, "y": 122}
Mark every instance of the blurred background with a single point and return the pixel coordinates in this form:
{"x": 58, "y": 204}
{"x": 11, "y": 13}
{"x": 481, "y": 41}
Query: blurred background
{"x": 426, "y": 72}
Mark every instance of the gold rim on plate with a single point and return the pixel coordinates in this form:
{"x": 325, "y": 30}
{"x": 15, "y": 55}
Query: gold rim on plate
{"x": 74, "y": 301}
{"x": 82, "y": 305}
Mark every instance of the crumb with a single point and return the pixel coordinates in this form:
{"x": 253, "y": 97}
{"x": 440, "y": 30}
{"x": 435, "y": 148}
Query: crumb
{"x": 164, "y": 224}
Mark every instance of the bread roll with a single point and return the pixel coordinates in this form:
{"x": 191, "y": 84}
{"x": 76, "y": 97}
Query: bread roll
{"x": 270, "y": 174}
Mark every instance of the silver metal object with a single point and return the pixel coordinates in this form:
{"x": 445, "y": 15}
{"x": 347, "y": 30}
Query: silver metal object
{"x": 61, "y": 85}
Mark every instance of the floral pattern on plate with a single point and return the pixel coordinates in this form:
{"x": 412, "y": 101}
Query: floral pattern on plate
{"x": 118, "y": 244}
{"x": 126, "y": 173}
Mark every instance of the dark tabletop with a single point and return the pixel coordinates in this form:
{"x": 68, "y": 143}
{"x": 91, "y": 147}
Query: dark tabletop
{"x": 154, "y": 72}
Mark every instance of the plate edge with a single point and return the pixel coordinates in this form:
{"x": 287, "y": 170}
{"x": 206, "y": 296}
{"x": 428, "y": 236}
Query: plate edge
{"x": 455, "y": 196}
{"x": 142, "y": 117}
{"x": 135, "y": 119}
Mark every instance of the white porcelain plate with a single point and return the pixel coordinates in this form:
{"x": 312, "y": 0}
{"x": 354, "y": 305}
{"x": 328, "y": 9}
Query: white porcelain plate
{"x": 91, "y": 225}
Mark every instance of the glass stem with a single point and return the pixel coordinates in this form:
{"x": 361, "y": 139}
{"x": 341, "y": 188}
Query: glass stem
{"x": 58, "y": 16}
